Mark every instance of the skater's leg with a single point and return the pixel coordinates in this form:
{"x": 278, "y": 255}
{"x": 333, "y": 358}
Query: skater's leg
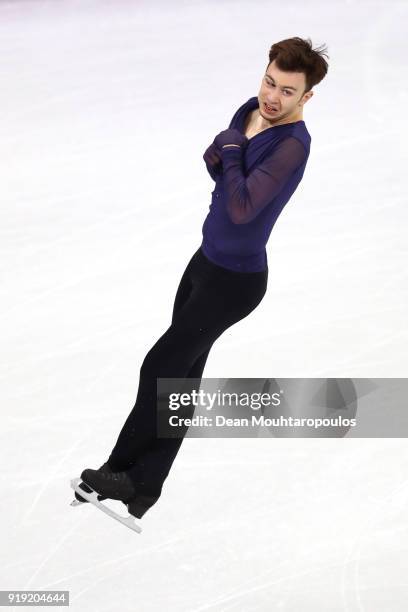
{"x": 196, "y": 369}
{"x": 183, "y": 293}
{"x": 172, "y": 356}
{"x": 217, "y": 301}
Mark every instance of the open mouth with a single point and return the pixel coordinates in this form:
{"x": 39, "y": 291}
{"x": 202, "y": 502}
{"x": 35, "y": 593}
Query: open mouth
{"x": 270, "y": 109}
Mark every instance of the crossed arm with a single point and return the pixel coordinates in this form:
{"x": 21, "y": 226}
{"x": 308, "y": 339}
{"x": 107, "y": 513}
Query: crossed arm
{"x": 247, "y": 196}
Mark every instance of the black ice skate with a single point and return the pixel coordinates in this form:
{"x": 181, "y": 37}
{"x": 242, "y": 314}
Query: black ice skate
{"x": 118, "y": 485}
{"x": 115, "y": 485}
{"x": 112, "y": 485}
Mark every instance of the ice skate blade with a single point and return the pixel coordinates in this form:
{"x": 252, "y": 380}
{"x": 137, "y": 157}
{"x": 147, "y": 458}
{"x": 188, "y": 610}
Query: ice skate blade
{"x": 76, "y": 502}
{"x": 128, "y": 521}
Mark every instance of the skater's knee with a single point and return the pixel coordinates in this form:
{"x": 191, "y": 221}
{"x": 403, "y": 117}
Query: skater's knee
{"x": 157, "y": 363}
{"x": 149, "y": 364}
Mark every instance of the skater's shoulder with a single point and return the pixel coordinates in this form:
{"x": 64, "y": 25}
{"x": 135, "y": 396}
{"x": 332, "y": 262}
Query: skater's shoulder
{"x": 299, "y": 131}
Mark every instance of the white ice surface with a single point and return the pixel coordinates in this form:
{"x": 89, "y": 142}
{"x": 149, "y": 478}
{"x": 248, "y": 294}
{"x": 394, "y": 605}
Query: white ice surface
{"x": 98, "y": 100}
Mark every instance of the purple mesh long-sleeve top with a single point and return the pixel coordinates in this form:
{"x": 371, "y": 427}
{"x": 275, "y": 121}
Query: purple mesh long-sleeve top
{"x": 252, "y": 185}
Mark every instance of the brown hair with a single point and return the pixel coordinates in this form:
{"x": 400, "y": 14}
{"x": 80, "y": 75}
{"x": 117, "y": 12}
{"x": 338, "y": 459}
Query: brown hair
{"x": 297, "y": 55}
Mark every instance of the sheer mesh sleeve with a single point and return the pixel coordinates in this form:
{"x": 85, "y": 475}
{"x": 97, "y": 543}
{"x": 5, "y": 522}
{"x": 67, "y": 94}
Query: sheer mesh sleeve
{"x": 247, "y": 196}
{"x": 213, "y": 161}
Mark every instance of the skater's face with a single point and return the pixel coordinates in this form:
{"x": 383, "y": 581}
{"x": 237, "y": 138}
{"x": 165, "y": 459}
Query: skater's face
{"x": 284, "y": 91}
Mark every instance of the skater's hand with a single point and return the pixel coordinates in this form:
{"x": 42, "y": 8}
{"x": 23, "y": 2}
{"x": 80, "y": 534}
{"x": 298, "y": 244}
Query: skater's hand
{"x": 230, "y": 137}
{"x": 212, "y": 158}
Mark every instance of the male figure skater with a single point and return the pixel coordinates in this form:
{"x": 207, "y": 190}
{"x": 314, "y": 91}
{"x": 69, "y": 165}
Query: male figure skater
{"x": 257, "y": 164}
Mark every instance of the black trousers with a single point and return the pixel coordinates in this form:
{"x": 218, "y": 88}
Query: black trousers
{"x": 209, "y": 300}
